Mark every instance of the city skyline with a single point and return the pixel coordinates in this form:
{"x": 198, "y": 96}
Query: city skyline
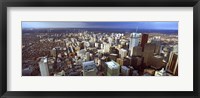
{"x": 171, "y": 25}
{"x": 100, "y": 49}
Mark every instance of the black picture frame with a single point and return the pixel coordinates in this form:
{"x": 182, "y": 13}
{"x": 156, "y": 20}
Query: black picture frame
{"x": 99, "y": 3}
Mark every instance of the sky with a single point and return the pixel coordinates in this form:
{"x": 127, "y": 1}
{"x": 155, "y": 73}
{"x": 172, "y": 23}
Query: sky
{"x": 123, "y": 25}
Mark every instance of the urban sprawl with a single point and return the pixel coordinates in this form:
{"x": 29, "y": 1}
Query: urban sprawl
{"x": 92, "y": 53}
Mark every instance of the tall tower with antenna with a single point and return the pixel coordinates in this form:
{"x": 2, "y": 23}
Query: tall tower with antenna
{"x": 134, "y": 40}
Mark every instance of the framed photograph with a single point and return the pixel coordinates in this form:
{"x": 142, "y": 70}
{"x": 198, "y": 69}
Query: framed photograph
{"x": 85, "y": 48}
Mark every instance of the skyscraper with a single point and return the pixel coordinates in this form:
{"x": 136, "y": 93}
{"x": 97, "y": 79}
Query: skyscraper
{"x": 44, "y": 70}
{"x": 134, "y": 41}
{"x": 148, "y": 54}
{"x": 157, "y": 41}
{"x": 172, "y": 65}
{"x": 144, "y": 40}
{"x": 137, "y": 51}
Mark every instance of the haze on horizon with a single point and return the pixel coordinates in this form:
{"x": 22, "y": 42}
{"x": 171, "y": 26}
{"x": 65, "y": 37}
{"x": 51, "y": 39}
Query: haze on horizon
{"x": 164, "y": 25}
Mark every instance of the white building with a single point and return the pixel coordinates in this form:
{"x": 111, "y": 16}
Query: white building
{"x": 81, "y": 53}
{"x": 134, "y": 41}
{"x": 123, "y": 53}
{"x": 44, "y": 70}
{"x": 102, "y": 46}
{"x": 86, "y": 44}
{"x": 113, "y": 68}
{"x": 87, "y": 56}
{"x": 89, "y": 68}
{"x": 106, "y": 48}
{"x": 110, "y": 40}
{"x": 175, "y": 48}
{"x": 96, "y": 45}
